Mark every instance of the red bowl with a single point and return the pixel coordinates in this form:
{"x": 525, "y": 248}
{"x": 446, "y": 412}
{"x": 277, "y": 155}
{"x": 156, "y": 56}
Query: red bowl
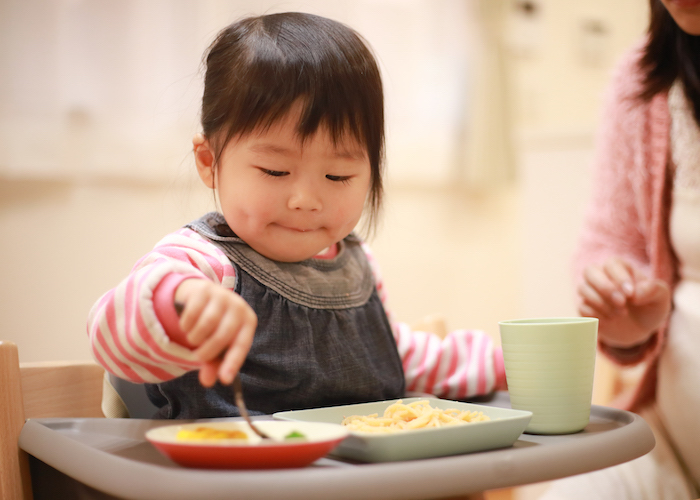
{"x": 252, "y": 453}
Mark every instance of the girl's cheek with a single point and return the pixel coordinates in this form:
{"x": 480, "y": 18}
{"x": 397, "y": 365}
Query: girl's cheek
{"x": 257, "y": 212}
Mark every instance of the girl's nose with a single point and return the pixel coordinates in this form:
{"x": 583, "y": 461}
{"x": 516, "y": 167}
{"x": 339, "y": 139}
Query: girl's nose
{"x": 305, "y": 196}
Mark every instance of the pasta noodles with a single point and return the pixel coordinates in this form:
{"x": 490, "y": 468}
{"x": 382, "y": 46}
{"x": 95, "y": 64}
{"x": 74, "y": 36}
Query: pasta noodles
{"x": 416, "y": 415}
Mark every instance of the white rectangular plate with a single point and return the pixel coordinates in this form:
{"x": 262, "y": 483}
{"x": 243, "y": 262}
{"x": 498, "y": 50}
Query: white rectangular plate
{"x": 501, "y": 431}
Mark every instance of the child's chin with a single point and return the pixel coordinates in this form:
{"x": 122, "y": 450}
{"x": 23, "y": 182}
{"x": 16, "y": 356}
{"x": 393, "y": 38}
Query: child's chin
{"x": 287, "y": 255}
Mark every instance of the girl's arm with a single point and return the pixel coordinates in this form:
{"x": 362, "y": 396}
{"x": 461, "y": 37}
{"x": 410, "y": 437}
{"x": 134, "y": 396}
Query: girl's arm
{"x": 134, "y": 330}
{"x": 466, "y": 363}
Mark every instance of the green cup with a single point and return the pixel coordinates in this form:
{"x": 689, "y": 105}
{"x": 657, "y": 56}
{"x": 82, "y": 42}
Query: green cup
{"x": 549, "y": 366}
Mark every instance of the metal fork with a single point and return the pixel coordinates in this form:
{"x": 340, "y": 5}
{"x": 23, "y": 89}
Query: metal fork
{"x": 237, "y": 391}
{"x": 238, "y": 396}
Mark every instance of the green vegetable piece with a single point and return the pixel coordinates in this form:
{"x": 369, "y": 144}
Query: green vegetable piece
{"x": 294, "y": 435}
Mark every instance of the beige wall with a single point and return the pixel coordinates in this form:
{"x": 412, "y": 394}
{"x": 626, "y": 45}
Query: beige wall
{"x": 557, "y": 89}
{"x": 475, "y": 259}
{"x": 65, "y": 244}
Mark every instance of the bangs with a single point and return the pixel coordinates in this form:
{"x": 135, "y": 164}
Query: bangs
{"x": 288, "y": 59}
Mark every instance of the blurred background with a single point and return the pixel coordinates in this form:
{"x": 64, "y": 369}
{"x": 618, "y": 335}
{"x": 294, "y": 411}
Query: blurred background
{"x": 492, "y": 107}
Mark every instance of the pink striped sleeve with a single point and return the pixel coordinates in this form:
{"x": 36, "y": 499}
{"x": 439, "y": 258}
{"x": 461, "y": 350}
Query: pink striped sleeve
{"x": 125, "y": 330}
{"x": 466, "y": 363}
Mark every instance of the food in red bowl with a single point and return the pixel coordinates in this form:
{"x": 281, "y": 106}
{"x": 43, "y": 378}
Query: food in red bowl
{"x": 233, "y": 445}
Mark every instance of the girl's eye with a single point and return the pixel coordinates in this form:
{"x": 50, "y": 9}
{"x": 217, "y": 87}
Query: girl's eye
{"x": 338, "y": 178}
{"x": 273, "y": 173}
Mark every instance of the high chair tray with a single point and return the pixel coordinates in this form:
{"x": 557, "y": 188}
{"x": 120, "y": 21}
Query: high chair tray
{"x": 111, "y": 458}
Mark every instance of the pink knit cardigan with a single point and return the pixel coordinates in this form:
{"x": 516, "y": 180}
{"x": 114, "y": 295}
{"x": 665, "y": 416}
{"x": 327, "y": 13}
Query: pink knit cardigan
{"x": 629, "y": 212}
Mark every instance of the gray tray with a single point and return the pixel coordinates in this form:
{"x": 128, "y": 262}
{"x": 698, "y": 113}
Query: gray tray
{"x": 112, "y": 459}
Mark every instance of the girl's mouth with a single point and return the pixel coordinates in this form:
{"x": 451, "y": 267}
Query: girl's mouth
{"x": 295, "y": 229}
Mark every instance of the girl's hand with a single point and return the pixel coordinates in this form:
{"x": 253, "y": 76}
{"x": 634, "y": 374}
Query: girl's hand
{"x": 220, "y": 323}
{"x": 629, "y": 305}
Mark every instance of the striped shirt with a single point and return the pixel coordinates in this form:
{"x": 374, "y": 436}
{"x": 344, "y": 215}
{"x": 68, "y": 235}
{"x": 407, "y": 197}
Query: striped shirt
{"x": 128, "y": 337}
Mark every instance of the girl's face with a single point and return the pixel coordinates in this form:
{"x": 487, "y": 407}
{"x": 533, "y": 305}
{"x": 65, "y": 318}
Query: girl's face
{"x": 686, "y": 13}
{"x": 287, "y": 200}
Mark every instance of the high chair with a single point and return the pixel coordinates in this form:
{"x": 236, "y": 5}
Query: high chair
{"x": 39, "y": 390}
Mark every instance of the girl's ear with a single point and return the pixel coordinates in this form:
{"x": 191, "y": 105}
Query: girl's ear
{"x": 204, "y": 159}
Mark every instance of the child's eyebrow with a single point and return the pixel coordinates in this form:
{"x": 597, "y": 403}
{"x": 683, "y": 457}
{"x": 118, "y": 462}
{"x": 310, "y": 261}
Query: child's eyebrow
{"x": 271, "y": 148}
{"x": 350, "y": 154}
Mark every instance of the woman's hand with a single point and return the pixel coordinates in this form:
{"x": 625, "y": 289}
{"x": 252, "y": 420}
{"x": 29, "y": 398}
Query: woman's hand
{"x": 220, "y": 324}
{"x": 629, "y": 305}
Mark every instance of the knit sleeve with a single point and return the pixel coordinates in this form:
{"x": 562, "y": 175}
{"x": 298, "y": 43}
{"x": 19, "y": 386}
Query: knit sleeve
{"x": 466, "y": 363}
{"x": 622, "y": 217}
{"x": 125, "y": 328}
{"x": 614, "y": 222}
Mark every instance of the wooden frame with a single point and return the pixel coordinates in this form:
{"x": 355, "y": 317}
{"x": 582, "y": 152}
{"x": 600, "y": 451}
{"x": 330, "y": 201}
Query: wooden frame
{"x": 39, "y": 390}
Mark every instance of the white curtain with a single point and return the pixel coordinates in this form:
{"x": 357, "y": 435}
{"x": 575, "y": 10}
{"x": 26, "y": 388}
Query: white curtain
{"x": 487, "y": 156}
{"x": 97, "y": 88}
{"x": 111, "y": 88}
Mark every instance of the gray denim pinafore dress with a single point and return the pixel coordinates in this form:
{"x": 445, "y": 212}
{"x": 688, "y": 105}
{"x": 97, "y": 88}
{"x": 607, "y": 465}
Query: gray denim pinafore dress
{"x": 323, "y": 337}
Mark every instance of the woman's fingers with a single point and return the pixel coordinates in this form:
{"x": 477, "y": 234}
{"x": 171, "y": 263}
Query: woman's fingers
{"x": 629, "y": 305}
{"x": 649, "y": 291}
{"x": 651, "y": 305}
{"x": 601, "y": 283}
{"x": 587, "y": 311}
{"x": 592, "y": 303}
{"x": 608, "y": 287}
{"x": 621, "y": 274}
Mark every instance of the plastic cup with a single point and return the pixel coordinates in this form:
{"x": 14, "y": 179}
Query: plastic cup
{"x": 549, "y": 365}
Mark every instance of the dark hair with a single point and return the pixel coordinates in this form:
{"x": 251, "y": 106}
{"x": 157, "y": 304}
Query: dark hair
{"x": 670, "y": 54}
{"x": 259, "y": 67}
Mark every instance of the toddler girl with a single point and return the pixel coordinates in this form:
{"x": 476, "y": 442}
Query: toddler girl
{"x": 276, "y": 285}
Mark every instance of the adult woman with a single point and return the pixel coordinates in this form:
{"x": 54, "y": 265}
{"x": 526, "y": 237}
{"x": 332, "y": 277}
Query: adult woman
{"x": 639, "y": 257}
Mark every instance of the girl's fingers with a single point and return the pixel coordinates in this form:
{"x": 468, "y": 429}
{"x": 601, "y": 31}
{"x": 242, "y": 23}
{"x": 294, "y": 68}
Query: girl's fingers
{"x": 224, "y": 333}
{"x": 193, "y": 307}
{"x": 220, "y": 324}
{"x": 207, "y": 322}
{"x": 208, "y": 371}
{"x": 235, "y": 356}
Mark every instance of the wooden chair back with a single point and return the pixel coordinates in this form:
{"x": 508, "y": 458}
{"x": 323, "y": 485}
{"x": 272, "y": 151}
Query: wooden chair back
{"x": 39, "y": 390}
